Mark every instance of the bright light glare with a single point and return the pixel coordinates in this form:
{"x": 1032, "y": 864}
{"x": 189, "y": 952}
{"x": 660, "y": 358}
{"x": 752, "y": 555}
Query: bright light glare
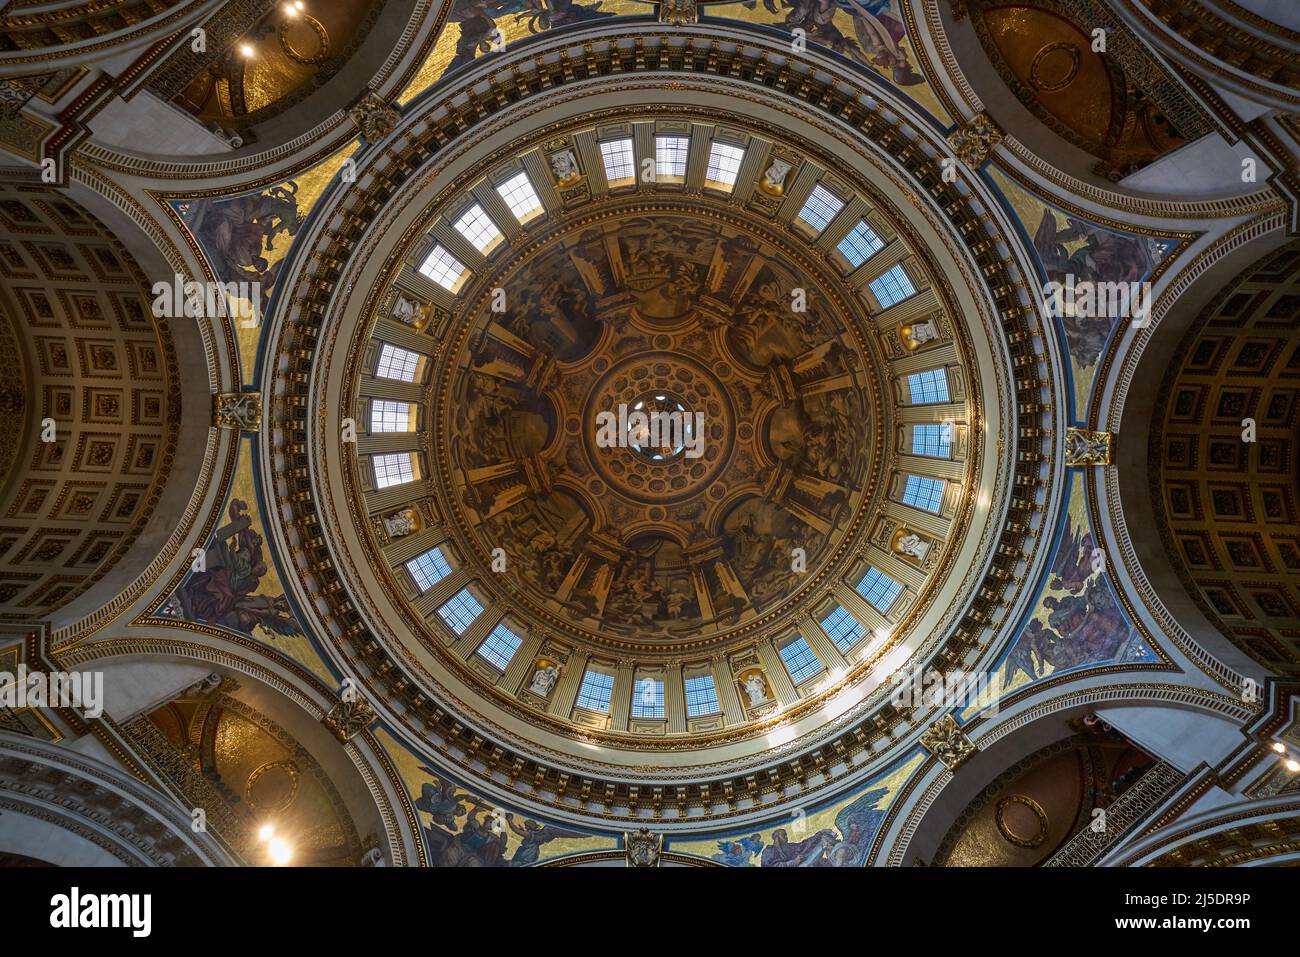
{"x": 891, "y": 663}
{"x": 279, "y": 852}
{"x": 779, "y": 736}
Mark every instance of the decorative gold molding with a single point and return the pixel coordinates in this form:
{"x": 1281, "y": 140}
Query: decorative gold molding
{"x": 373, "y": 116}
{"x": 241, "y": 411}
{"x": 975, "y": 140}
{"x": 678, "y": 12}
{"x": 642, "y": 848}
{"x": 1084, "y": 447}
{"x": 349, "y": 717}
{"x": 426, "y": 716}
{"x": 946, "y": 740}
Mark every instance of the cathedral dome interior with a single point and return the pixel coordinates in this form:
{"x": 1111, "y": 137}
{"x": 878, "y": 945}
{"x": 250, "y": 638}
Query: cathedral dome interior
{"x": 650, "y": 433}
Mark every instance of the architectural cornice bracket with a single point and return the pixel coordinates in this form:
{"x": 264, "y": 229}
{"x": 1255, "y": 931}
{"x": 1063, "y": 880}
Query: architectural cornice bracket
{"x": 349, "y": 717}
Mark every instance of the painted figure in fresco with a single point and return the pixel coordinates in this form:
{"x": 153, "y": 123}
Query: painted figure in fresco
{"x": 480, "y": 842}
{"x": 1073, "y": 564}
{"x": 759, "y": 537}
{"x": 880, "y": 30}
{"x": 666, "y": 264}
{"x": 810, "y": 852}
{"x": 237, "y": 232}
{"x": 1103, "y": 257}
{"x": 1083, "y": 627}
{"x": 556, "y": 313}
{"x": 645, "y": 590}
{"x": 877, "y": 26}
{"x": 762, "y": 326}
{"x": 478, "y": 21}
{"x": 463, "y": 831}
{"x": 533, "y": 836}
{"x": 737, "y": 853}
{"x": 856, "y": 825}
{"x": 529, "y": 539}
{"x": 483, "y": 420}
{"x": 440, "y": 801}
{"x": 225, "y": 592}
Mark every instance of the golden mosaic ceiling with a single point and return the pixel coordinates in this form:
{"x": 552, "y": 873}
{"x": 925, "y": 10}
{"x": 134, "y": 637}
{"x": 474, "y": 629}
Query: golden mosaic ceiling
{"x": 289, "y": 52}
{"x": 1047, "y": 54}
{"x": 1035, "y": 807}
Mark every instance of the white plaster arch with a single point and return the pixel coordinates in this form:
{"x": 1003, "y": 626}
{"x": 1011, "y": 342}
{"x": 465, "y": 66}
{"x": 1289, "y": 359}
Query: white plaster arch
{"x": 937, "y": 796}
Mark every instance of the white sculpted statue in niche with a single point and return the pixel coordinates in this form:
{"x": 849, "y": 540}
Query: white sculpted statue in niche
{"x": 544, "y": 680}
{"x": 756, "y": 689}
{"x": 565, "y": 166}
{"x": 399, "y": 524}
{"x": 774, "y": 178}
{"x": 407, "y": 311}
{"x": 922, "y": 333}
{"x": 914, "y": 545}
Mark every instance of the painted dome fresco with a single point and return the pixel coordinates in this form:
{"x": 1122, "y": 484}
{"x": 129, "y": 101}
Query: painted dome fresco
{"x": 627, "y": 433}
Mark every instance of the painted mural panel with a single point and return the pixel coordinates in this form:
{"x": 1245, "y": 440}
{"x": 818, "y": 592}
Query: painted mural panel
{"x": 462, "y": 829}
{"x": 478, "y": 28}
{"x": 1093, "y": 261}
{"x": 236, "y": 585}
{"x": 1077, "y": 621}
{"x": 871, "y": 33}
{"x": 246, "y": 239}
{"x": 836, "y": 835}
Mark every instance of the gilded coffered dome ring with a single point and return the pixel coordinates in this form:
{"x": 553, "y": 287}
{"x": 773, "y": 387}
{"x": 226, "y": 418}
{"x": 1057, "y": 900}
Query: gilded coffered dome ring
{"x": 657, "y": 293}
{"x": 479, "y": 547}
